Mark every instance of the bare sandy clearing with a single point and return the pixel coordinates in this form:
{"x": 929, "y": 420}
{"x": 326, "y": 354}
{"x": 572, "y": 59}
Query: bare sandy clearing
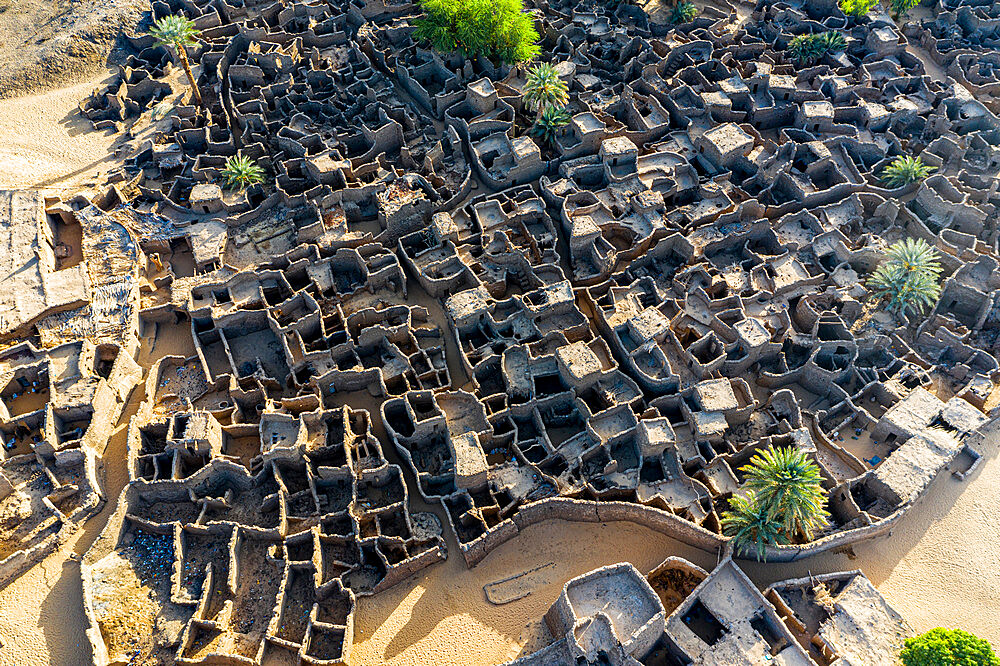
{"x": 44, "y": 142}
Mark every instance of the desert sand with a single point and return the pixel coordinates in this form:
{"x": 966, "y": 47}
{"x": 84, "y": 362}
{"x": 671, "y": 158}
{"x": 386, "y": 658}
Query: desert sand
{"x": 44, "y": 142}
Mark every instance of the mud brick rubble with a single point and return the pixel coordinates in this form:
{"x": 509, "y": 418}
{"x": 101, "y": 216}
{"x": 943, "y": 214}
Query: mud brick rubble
{"x": 422, "y": 301}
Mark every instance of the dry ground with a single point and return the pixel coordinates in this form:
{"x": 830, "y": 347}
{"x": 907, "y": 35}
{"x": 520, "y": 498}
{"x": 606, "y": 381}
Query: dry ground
{"x": 45, "y": 142}
{"x": 48, "y": 43}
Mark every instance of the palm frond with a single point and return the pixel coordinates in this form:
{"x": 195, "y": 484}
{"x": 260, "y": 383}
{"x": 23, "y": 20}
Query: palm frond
{"x": 241, "y": 172}
{"x": 174, "y": 30}
{"x": 789, "y": 484}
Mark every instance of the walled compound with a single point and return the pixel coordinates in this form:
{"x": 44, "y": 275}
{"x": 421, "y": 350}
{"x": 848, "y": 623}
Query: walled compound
{"x": 680, "y": 614}
{"x": 69, "y": 315}
{"x": 425, "y": 304}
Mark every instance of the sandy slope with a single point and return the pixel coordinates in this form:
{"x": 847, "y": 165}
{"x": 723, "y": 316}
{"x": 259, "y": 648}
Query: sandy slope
{"x": 52, "y": 43}
{"x": 45, "y": 142}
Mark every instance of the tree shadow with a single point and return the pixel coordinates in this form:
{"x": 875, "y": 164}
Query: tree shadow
{"x": 63, "y": 620}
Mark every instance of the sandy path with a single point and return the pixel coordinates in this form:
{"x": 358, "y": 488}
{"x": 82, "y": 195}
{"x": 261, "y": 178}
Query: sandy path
{"x": 442, "y": 617}
{"x": 44, "y": 141}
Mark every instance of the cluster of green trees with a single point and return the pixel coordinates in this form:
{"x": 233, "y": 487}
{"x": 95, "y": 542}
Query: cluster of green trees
{"x": 861, "y": 8}
{"x": 496, "y": 29}
{"x": 784, "y": 500}
{"x": 947, "y": 647}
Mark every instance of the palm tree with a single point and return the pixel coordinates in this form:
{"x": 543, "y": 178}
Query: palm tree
{"x": 789, "y": 486}
{"x": 908, "y": 280}
{"x": 178, "y": 32}
{"x": 751, "y": 525}
{"x": 241, "y": 172}
{"x": 543, "y": 88}
{"x": 682, "y": 12}
{"x": 549, "y": 123}
{"x": 833, "y": 41}
{"x": 805, "y": 48}
{"x": 905, "y": 170}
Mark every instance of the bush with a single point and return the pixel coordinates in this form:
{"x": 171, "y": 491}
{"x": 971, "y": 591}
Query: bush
{"x": 858, "y": 8}
{"x": 833, "y": 41}
{"x": 908, "y": 280}
{"x": 496, "y": 29}
{"x": 947, "y": 647}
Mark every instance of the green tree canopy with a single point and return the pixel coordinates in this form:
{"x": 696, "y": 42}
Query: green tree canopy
{"x": 858, "y": 8}
{"x": 947, "y": 647}
{"x": 497, "y": 29}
